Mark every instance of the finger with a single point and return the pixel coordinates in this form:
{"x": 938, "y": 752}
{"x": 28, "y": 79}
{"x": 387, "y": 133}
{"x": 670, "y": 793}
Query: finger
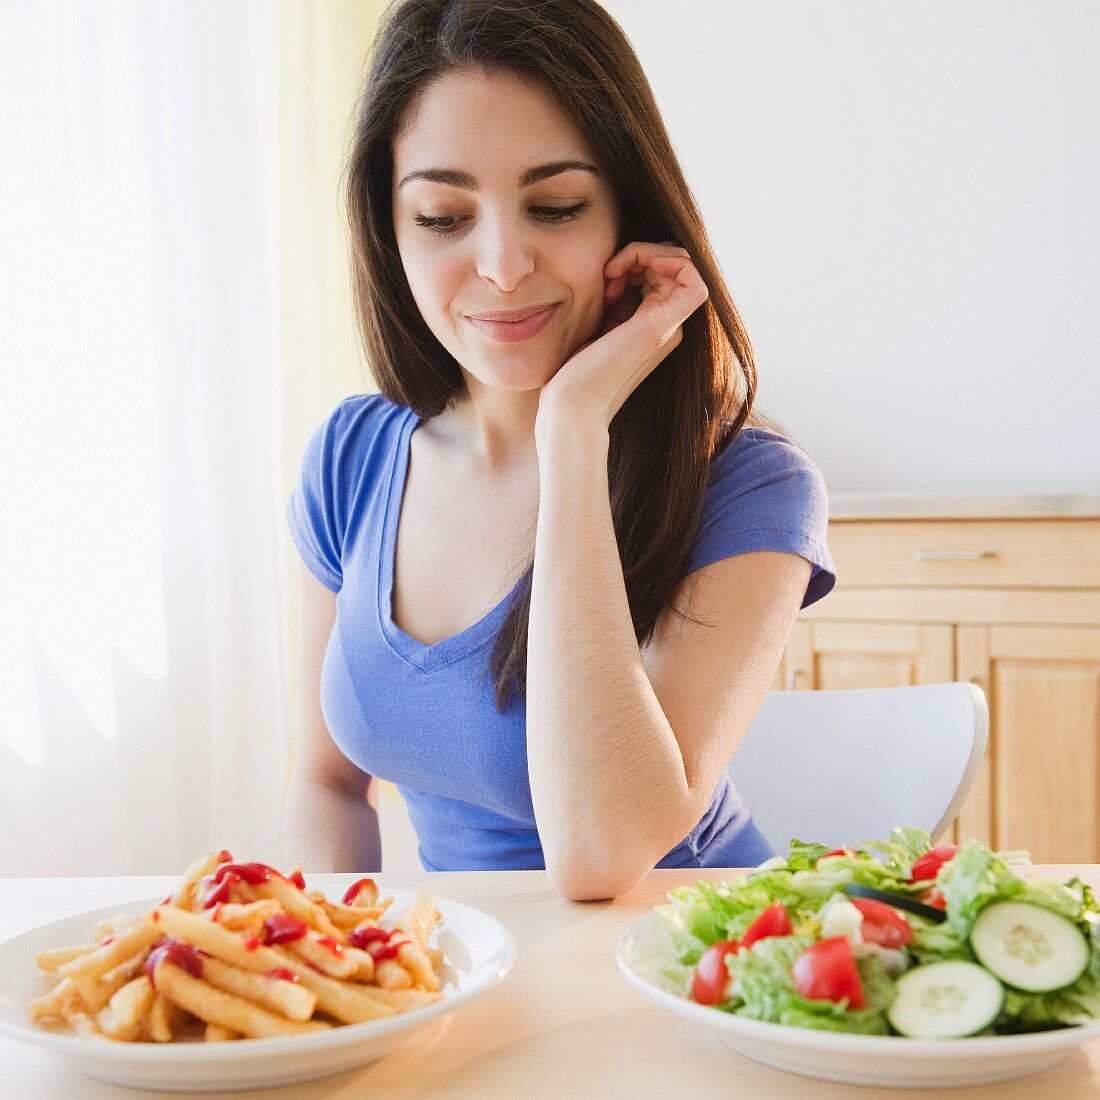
{"x": 638, "y": 254}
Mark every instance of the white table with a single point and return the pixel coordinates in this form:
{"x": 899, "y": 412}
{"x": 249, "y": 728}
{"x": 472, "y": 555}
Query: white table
{"x": 564, "y": 1024}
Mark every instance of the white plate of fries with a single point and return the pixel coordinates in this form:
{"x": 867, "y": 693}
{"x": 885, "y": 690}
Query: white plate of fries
{"x": 274, "y": 986}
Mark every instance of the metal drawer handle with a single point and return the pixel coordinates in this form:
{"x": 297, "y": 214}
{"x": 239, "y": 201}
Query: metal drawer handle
{"x": 952, "y": 555}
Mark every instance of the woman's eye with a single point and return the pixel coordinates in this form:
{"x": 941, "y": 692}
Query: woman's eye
{"x": 561, "y": 213}
{"x": 451, "y": 223}
{"x": 443, "y": 225}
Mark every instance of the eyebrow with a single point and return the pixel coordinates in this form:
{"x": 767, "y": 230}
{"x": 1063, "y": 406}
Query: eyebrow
{"x": 454, "y": 178}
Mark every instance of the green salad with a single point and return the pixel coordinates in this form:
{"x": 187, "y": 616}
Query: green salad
{"x": 890, "y": 937}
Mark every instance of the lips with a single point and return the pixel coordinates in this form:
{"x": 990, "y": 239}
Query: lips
{"x": 530, "y": 323}
{"x": 511, "y": 315}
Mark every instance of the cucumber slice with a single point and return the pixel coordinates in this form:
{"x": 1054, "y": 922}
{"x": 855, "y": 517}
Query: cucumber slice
{"x": 1028, "y": 947}
{"x": 945, "y": 1000}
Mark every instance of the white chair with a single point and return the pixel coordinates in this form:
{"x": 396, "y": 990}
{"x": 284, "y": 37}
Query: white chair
{"x": 844, "y": 766}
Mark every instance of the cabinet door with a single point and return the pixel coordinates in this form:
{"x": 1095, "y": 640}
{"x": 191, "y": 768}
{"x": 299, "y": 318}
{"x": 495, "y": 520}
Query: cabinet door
{"x": 1038, "y": 787}
{"x": 831, "y": 655}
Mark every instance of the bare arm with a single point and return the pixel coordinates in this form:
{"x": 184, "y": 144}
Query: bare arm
{"x": 625, "y": 749}
{"x": 327, "y": 822}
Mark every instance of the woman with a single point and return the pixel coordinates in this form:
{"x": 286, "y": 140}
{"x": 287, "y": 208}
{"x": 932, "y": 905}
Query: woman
{"x": 549, "y": 570}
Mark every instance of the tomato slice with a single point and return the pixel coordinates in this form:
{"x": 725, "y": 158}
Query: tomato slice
{"x": 774, "y": 921}
{"x": 827, "y": 972}
{"x": 928, "y": 866}
{"x": 836, "y": 852}
{"x": 709, "y": 985}
{"x": 882, "y": 924}
{"x": 934, "y": 898}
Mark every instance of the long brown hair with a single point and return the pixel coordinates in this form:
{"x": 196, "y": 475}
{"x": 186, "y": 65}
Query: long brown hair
{"x": 690, "y": 407}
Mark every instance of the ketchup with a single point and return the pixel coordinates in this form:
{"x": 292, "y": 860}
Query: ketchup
{"x": 296, "y": 878}
{"x": 283, "y": 928}
{"x": 377, "y": 941}
{"x": 221, "y": 882}
{"x": 386, "y": 951}
{"x": 364, "y": 937}
{"x": 331, "y": 944}
{"x": 283, "y": 974}
{"x": 178, "y": 954}
{"x": 352, "y": 891}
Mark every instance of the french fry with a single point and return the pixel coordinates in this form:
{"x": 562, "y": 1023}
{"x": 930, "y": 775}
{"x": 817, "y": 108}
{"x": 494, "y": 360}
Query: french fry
{"x": 415, "y": 960}
{"x": 401, "y": 1000}
{"x": 98, "y": 991}
{"x": 325, "y": 954}
{"x": 75, "y": 1013}
{"x": 215, "y": 1033}
{"x": 214, "y": 1006}
{"x": 54, "y": 957}
{"x": 108, "y": 955}
{"x": 166, "y": 1018}
{"x": 131, "y": 1002}
{"x": 290, "y": 999}
{"x": 112, "y": 925}
{"x": 390, "y": 974}
{"x": 213, "y": 939}
{"x": 346, "y": 917}
{"x": 184, "y": 894}
{"x": 420, "y": 919}
{"x": 367, "y": 895}
{"x": 48, "y": 1006}
{"x": 249, "y": 916}
{"x": 344, "y": 1001}
{"x": 364, "y": 964}
{"x": 435, "y": 956}
{"x": 297, "y": 905}
{"x": 123, "y": 1033}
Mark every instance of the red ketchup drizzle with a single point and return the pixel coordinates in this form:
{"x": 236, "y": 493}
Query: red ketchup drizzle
{"x": 331, "y": 944}
{"x": 283, "y": 974}
{"x": 297, "y": 879}
{"x": 352, "y": 891}
{"x": 252, "y": 943}
{"x": 283, "y": 928}
{"x": 177, "y": 954}
{"x": 377, "y": 941}
{"x": 221, "y": 882}
{"x": 387, "y": 951}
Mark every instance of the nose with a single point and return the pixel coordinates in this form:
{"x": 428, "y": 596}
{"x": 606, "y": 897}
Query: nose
{"x": 505, "y": 256}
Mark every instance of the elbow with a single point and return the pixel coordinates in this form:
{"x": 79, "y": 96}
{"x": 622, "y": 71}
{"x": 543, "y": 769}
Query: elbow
{"x": 599, "y": 879}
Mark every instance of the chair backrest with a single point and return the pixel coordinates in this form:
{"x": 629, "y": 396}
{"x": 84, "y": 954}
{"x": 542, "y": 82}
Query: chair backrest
{"x": 844, "y": 766}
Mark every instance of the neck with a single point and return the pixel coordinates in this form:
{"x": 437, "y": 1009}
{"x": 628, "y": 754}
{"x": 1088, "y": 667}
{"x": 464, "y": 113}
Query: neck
{"x": 495, "y": 428}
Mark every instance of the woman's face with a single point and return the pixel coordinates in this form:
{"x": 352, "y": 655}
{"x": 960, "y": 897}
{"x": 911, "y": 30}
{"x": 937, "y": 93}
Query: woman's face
{"x": 486, "y": 240}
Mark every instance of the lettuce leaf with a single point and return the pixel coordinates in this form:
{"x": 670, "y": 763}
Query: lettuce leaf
{"x": 768, "y": 991}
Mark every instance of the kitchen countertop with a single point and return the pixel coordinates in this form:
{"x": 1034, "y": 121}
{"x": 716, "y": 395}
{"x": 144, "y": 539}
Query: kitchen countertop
{"x": 564, "y": 1023}
{"x": 844, "y": 506}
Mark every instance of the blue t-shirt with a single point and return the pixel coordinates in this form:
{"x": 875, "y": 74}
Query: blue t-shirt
{"x": 424, "y": 716}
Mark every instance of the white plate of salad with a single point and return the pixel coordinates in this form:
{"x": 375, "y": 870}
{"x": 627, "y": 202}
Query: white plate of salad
{"x": 890, "y": 963}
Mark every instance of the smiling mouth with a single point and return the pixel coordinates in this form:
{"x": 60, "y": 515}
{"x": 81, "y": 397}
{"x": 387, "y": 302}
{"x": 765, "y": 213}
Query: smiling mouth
{"x": 529, "y": 323}
{"x": 511, "y": 316}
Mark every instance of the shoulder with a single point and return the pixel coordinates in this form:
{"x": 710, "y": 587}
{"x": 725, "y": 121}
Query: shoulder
{"x": 765, "y": 470}
{"x": 361, "y": 418}
{"x": 359, "y": 430}
{"x": 765, "y": 493}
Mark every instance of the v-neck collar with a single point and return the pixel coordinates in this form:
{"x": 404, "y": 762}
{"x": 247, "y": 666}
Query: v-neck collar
{"x": 446, "y": 651}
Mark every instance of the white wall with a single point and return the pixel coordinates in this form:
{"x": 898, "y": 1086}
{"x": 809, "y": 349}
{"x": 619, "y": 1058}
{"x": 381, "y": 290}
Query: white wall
{"x": 905, "y": 200}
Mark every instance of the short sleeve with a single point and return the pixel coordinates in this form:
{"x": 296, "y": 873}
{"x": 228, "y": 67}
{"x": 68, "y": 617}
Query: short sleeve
{"x": 765, "y": 493}
{"x": 315, "y": 513}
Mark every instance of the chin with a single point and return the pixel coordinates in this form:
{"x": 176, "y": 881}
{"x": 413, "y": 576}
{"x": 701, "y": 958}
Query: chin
{"x": 517, "y": 378}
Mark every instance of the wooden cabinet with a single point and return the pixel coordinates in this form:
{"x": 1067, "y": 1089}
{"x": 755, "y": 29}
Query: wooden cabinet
{"x": 1011, "y": 604}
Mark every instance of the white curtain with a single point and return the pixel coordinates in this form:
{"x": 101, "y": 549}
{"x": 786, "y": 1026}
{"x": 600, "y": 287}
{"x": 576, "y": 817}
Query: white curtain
{"x": 142, "y": 655}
